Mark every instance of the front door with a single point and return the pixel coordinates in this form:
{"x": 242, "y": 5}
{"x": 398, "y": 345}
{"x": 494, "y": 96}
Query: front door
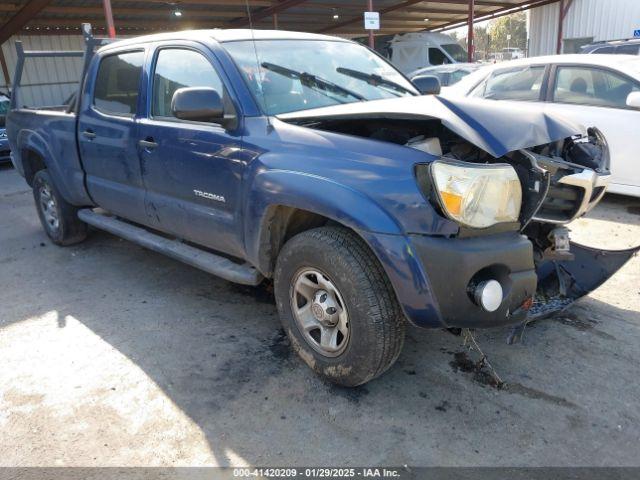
{"x": 192, "y": 171}
{"x": 107, "y": 135}
{"x": 594, "y": 96}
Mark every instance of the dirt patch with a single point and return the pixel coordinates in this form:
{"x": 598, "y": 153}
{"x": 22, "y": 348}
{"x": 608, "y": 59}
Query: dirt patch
{"x": 529, "y": 392}
{"x": 19, "y": 399}
{"x": 634, "y": 209}
{"x": 280, "y": 347}
{"x": 583, "y": 325}
{"x": 462, "y": 363}
{"x": 351, "y": 394}
{"x": 481, "y": 375}
{"x": 262, "y": 293}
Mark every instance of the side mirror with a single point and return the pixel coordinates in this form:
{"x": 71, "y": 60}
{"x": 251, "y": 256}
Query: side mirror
{"x": 633, "y": 100}
{"x": 199, "y": 104}
{"x": 427, "y": 84}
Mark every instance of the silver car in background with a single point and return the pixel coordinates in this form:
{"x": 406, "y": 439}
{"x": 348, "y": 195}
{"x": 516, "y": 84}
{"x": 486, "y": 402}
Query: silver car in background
{"x": 447, "y": 74}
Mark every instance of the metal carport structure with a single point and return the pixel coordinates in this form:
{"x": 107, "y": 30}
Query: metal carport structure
{"x": 345, "y": 18}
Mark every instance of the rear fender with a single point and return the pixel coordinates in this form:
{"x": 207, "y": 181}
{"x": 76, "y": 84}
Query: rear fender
{"x": 31, "y": 141}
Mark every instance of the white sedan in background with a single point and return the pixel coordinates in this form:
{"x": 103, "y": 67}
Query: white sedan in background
{"x": 594, "y": 90}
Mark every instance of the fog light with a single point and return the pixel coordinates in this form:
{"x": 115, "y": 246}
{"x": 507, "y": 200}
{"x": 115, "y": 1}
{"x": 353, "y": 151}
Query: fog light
{"x": 488, "y": 295}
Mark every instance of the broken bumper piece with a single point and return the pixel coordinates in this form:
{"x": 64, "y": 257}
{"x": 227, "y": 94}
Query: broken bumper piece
{"x": 560, "y": 283}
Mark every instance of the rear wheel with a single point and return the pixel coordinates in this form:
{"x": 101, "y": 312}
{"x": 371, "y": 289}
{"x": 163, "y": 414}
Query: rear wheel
{"x": 58, "y": 217}
{"x": 337, "y": 306}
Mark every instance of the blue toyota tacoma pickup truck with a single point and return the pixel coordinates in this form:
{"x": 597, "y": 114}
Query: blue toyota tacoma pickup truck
{"x": 312, "y": 162}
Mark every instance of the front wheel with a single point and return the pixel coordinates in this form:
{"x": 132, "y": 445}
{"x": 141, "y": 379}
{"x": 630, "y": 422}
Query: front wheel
{"x": 58, "y": 217}
{"x": 338, "y": 306}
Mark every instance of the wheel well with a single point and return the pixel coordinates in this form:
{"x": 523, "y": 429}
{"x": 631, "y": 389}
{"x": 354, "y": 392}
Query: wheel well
{"x": 32, "y": 163}
{"x": 279, "y": 225}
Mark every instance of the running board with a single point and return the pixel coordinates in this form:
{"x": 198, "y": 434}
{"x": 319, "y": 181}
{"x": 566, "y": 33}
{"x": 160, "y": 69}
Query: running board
{"x": 209, "y": 262}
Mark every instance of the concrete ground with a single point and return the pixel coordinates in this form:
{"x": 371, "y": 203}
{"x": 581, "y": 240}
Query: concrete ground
{"x": 114, "y": 355}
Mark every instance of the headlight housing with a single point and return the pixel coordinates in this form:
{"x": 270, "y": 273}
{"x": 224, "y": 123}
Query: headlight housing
{"x": 477, "y": 196}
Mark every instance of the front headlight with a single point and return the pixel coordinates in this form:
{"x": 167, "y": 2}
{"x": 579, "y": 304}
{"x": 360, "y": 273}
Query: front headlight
{"x": 475, "y": 195}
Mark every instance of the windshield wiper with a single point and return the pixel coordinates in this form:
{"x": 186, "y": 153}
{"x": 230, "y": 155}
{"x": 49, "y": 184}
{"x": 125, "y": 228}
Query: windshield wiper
{"x": 373, "y": 79}
{"x": 312, "y": 81}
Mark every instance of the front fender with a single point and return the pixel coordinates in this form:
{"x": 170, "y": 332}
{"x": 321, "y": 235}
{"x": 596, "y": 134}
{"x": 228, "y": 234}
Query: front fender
{"x": 314, "y": 194}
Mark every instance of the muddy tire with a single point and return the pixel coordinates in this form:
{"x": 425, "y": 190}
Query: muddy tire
{"x": 58, "y": 218}
{"x": 337, "y": 306}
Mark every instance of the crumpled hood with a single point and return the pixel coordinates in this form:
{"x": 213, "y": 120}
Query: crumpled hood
{"x": 495, "y": 127}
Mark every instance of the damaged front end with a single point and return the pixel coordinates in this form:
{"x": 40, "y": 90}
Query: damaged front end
{"x": 565, "y": 180}
{"x": 562, "y": 173}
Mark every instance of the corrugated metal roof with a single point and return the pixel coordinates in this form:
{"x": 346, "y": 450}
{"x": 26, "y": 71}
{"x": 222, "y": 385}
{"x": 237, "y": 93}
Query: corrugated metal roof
{"x": 319, "y": 16}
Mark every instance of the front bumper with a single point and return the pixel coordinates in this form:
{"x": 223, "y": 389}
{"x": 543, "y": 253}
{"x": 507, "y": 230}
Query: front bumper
{"x": 454, "y": 265}
{"x": 432, "y": 275}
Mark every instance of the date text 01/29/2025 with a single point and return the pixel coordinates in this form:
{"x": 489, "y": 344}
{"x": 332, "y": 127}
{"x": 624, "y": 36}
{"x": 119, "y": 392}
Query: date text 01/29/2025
{"x": 315, "y": 472}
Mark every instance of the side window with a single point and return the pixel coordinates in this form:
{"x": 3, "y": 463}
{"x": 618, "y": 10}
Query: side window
{"x": 436, "y": 57}
{"x": 605, "y": 50}
{"x": 521, "y": 84}
{"x": 631, "y": 49}
{"x": 177, "y": 68}
{"x": 592, "y": 86}
{"x": 118, "y": 83}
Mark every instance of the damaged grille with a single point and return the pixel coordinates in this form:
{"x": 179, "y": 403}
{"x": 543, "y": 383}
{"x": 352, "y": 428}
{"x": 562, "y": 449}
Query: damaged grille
{"x": 571, "y": 196}
{"x": 561, "y": 203}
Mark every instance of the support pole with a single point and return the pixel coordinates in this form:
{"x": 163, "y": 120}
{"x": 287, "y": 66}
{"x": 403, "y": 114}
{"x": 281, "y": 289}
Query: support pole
{"x": 470, "y": 42}
{"x": 564, "y": 6}
{"x": 5, "y": 70}
{"x": 108, "y": 15}
{"x": 275, "y": 21}
{"x": 560, "y": 23}
{"x": 372, "y": 43}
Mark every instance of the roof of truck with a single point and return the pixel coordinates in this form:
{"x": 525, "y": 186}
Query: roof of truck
{"x": 224, "y": 35}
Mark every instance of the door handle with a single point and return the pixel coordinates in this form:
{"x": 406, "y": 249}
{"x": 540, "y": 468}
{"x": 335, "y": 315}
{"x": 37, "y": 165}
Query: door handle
{"x": 90, "y": 134}
{"x": 148, "y": 143}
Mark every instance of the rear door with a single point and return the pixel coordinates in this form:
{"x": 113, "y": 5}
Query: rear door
{"x": 107, "y": 134}
{"x": 596, "y": 96}
{"x": 192, "y": 171}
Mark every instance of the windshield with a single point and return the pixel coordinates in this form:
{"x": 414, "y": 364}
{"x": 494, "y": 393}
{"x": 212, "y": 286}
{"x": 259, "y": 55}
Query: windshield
{"x": 458, "y": 75}
{"x": 303, "y": 74}
{"x": 456, "y": 52}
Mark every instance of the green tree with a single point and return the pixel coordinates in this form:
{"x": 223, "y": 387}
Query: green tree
{"x": 514, "y": 25}
{"x": 481, "y": 40}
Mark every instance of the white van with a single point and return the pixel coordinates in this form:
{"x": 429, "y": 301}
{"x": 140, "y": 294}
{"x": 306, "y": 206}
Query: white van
{"x": 411, "y": 51}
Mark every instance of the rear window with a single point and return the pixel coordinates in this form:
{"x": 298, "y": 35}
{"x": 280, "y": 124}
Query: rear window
{"x": 515, "y": 84}
{"x": 118, "y": 83}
